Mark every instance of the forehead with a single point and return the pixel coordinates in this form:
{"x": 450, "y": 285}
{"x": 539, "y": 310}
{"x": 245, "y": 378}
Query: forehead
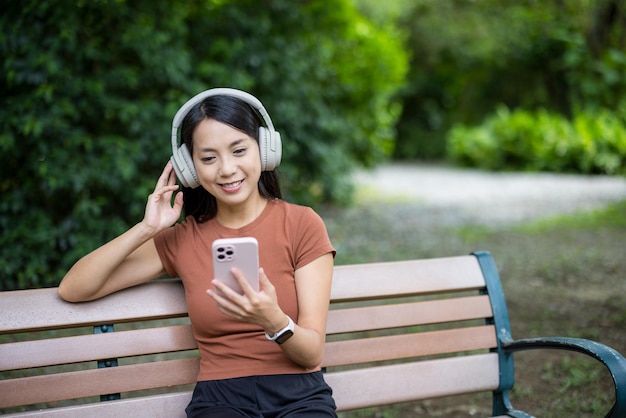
{"x": 213, "y": 133}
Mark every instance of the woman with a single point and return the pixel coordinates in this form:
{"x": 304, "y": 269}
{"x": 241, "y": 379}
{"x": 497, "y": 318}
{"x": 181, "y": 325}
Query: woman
{"x": 260, "y": 351}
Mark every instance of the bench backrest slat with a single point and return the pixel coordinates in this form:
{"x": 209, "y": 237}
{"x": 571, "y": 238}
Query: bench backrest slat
{"x": 65, "y": 350}
{"x": 42, "y": 309}
{"x": 395, "y": 279}
{"x": 397, "y": 383}
{"x": 84, "y": 383}
{"x": 408, "y": 314}
{"x": 401, "y": 346}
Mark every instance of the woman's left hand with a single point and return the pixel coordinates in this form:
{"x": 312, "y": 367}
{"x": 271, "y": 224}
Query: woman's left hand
{"x": 254, "y": 307}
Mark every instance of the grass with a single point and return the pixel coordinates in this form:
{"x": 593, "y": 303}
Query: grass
{"x": 562, "y": 276}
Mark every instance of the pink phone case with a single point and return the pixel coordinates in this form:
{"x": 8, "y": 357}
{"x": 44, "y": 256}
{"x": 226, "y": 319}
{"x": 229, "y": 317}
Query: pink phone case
{"x": 242, "y": 253}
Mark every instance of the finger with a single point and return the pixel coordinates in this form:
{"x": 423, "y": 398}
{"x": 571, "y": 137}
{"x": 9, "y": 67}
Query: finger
{"x": 226, "y": 292}
{"x": 264, "y": 282}
{"x": 242, "y": 281}
{"x": 178, "y": 201}
{"x": 163, "y": 193}
{"x": 228, "y": 306}
{"x": 223, "y": 304}
{"x": 167, "y": 177}
{"x": 218, "y": 296}
{"x": 163, "y": 178}
{"x": 172, "y": 175}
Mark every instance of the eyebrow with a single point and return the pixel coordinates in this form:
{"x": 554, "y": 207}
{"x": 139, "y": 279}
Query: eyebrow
{"x": 231, "y": 145}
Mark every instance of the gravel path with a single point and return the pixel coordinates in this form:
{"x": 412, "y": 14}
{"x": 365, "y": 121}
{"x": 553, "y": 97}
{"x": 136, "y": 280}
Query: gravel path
{"x": 459, "y": 196}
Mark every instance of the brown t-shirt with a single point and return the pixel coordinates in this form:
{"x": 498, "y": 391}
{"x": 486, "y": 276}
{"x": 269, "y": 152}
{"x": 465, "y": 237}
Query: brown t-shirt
{"x": 290, "y": 237}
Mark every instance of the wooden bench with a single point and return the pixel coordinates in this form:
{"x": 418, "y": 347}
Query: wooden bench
{"x": 397, "y": 332}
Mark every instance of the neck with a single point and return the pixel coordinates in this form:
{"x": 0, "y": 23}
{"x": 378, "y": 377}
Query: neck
{"x": 241, "y": 215}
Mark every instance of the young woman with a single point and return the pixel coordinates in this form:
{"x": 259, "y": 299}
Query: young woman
{"x": 260, "y": 351}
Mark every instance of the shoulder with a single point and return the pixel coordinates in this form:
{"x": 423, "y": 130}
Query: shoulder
{"x": 305, "y": 231}
{"x": 291, "y": 209}
{"x": 297, "y": 218}
{"x": 189, "y": 225}
{"x": 294, "y": 215}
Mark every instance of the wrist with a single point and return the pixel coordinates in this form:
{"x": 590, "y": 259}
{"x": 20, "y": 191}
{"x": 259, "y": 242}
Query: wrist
{"x": 282, "y": 334}
{"x": 275, "y": 321}
{"x": 146, "y": 230}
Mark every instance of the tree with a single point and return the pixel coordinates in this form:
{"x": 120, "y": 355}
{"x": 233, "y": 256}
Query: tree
{"x": 469, "y": 57}
{"x": 90, "y": 88}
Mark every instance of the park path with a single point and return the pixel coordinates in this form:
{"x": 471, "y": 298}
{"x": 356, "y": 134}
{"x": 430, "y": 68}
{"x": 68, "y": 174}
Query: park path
{"x": 458, "y": 195}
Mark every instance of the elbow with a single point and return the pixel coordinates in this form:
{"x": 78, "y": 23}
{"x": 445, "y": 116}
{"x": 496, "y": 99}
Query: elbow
{"x": 312, "y": 357}
{"x": 65, "y": 294}
{"x": 307, "y": 359}
{"x": 312, "y": 360}
{"x": 64, "y": 291}
{"x": 314, "y": 363}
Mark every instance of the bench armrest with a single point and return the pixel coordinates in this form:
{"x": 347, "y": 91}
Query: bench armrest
{"x": 613, "y": 360}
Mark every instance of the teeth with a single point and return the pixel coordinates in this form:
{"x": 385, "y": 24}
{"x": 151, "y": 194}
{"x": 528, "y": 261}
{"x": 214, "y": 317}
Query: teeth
{"x": 231, "y": 185}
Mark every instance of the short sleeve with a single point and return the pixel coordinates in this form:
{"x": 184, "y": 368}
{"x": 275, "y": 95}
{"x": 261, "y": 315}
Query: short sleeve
{"x": 312, "y": 239}
{"x": 166, "y": 243}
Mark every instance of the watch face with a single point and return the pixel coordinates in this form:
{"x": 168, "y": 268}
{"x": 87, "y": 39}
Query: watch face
{"x": 284, "y": 336}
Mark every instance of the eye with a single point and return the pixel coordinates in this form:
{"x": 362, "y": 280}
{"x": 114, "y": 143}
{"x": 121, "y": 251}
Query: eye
{"x": 208, "y": 159}
{"x": 240, "y": 151}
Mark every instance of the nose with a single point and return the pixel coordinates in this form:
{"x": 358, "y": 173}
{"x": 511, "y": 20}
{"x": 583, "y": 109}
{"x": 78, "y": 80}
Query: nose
{"x": 227, "y": 167}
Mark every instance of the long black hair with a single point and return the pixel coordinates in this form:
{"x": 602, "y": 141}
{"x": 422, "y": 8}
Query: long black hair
{"x": 240, "y": 115}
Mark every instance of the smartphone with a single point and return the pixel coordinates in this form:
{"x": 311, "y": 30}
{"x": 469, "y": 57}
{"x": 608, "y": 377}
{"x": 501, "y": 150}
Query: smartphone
{"x": 242, "y": 253}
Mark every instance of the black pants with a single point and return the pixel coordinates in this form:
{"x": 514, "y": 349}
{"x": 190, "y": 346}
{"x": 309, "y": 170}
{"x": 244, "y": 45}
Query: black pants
{"x": 270, "y": 396}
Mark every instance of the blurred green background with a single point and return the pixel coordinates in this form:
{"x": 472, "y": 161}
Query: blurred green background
{"x": 89, "y": 88}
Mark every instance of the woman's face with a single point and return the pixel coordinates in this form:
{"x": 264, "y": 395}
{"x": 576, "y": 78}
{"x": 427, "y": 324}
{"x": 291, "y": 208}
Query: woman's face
{"x": 227, "y": 162}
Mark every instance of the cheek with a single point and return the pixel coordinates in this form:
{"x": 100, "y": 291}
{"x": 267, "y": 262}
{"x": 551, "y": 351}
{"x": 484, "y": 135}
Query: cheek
{"x": 206, "y": 172}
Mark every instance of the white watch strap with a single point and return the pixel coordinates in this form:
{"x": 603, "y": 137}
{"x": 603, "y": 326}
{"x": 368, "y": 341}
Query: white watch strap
{"x": 289, "y": 328}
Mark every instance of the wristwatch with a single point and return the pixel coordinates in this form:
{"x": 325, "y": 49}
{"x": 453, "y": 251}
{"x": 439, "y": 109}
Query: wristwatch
{"x": 284, "y": 334}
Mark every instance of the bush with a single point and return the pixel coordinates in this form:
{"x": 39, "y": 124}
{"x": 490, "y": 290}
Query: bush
{"x": 594, "y": 142}
{"x": 89, "y": 89}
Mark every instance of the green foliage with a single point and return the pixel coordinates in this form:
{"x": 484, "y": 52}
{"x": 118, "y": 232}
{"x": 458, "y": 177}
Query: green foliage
{"x": 79, "y": 113}
{"x": 470, "y": 56}
{"x": 594, "y": 142}
{"x": 89, "y": 89}
{"x": 327, "y": 76}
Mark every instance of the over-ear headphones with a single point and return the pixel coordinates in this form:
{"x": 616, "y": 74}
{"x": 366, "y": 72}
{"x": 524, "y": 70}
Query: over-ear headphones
{"x": 269, "y": 139}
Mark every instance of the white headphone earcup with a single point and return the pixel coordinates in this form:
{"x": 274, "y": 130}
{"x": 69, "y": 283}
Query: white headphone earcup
{"x": 184, "y": 168}
{"x": 270, "y": 148}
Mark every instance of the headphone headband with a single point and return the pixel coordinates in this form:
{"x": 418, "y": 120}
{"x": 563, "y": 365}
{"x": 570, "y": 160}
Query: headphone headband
{"x": 240, "y": 94}
{"x": 269, "y": 140}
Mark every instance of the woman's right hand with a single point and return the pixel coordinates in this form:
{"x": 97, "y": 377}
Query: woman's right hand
{"x": 132, "y": 257}
{"x": 160, "y": 212}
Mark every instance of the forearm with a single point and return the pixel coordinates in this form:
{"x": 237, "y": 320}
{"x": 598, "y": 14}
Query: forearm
{"x": 131, "y": 258}
{"x": 101, "y": 271}
{"x": 313, "y": 282}
{"x": 305, "y": 347}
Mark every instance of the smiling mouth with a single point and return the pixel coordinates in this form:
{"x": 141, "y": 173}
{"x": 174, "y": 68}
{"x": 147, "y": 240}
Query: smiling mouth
{"x": 231, "y": 185}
